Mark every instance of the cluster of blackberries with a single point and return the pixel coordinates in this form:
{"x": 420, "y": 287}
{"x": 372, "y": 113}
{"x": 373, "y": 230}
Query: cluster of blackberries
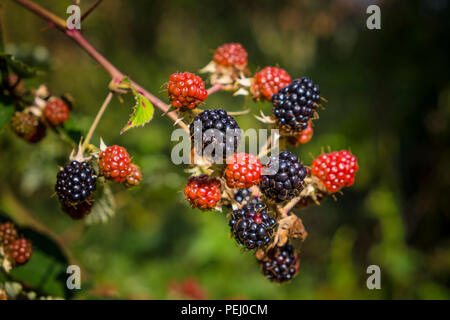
{"x": 253, "y": 226}
{"x": 286, "y": 177}
{"x": 75, "y": 184}
{"x": 219, "y": 142}
{"x": 295, "y": 104}
{"x": 280, "y": 263}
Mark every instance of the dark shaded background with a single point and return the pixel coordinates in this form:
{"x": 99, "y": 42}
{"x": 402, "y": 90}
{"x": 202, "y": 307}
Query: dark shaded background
{"x": 389, "y": 101}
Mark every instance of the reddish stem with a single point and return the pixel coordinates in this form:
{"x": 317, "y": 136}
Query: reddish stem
{"x": 215, "y": 88}
{"x": 115, "y": 73}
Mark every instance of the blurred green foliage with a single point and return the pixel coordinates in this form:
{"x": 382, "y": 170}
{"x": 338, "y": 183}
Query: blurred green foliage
{"x": 389, "y": 101}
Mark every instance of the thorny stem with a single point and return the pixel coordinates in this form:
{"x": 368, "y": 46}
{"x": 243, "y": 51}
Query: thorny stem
{"x": 115, "y": 73}
{"x": 91, "y": 8}
{"x": 215, "y": 88}
{"x": 96, "y": 121}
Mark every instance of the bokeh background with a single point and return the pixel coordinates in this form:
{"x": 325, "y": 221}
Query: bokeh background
{"x": 389, "y": 101}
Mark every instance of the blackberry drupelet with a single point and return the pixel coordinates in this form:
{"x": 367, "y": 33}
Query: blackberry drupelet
{"x": 253, "y": 226}
{"x": 218, "y": 139}
{"x": 295, "y": 104}
{"x": 286, "y": 179}
{"x": 75, "y": 183}
{"x": 280, "y": 264}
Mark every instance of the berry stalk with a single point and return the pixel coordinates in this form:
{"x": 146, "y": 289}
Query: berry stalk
{"x": 94, "y": 124}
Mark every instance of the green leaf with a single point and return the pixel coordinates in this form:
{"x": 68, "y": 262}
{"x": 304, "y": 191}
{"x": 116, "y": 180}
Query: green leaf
{"x": 143, "y": 110}
{"x": 104, "y": 207}
{"x": 72, "y": 130}
{"x": 6, "y": 112}
{"x": 21, "y": 69}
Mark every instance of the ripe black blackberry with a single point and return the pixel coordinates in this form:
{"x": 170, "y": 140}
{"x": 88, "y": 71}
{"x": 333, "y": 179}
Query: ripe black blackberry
{"x": 244, "y": 196}
{"x": 225, "y": 138}
{"x": 286, "y": 179}
{"x": 253, "y": 226}
{"x": 280, "y": 264}
{"x": 78, "y": 211}
{"x": 294, "y": 105}
{"x": 75, "y": 183}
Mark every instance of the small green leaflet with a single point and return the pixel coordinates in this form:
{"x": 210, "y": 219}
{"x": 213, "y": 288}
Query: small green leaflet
{"x": 20, "y": 68}
{"x": 6, "y": 112}
{"x": 143, "y": 111}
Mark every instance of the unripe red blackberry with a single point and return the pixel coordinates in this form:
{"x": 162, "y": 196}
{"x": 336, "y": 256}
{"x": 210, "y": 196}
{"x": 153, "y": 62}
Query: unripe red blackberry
{"x": 75, "y": 183}
{"x": 335, "y": 170}
{"x": 203, "y": 192}
{"x": 281, "y": 264}
{"x": 286, "y": 179}
{"x": 303, "y": 137}
{"x": 243, "y": 172}
{"x": 268, "y": 82}
{"x": 135, "y": 177}
{"x": 231, "y": 55}
{"x": 295, "y": 104}
{"x": 224, "y": 137}
{"x": 77, "y": 211}
{"x": 56, "y": 112}
{"x": 253, "y": 226}
{"x": 28, "y": 126}
{"x": 115, "y": 163}
{"x": 20, "y": 251}
{"x": 8, "y": 234}
{"x": 186, "y": 90}
{"x": 14, "y": 84}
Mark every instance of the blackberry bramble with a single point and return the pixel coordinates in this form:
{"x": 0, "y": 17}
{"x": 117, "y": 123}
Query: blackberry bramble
{"x": 253, "y": 226}
{"x": 286, "y": 179}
